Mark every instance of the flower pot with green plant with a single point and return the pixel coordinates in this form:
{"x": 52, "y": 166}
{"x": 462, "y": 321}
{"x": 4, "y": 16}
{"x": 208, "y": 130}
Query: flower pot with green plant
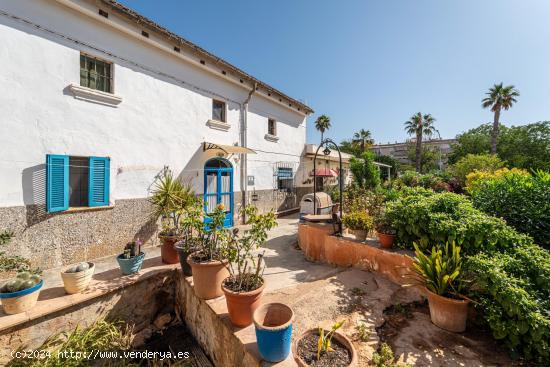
{"x": 131, "y": 260}
{"x": 359, "y": 223}
{"x": 170, "y": 198}
{"x": 243, "y": 288}
{"x": 190, "y": 237}
{"x": 21, "y": 293}
{"x": 209, "y": 262}
{"x": 440, "y": 273}
{"x": 324, "y": 348}
{"x": 385, "y": 231}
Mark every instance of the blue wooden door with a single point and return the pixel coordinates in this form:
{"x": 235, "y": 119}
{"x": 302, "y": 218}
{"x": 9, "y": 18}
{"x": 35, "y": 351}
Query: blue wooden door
{"x": 218, "y": 189}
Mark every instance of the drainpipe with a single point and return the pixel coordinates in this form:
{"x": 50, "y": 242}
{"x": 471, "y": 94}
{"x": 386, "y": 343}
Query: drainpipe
{"x": 244, "y": 159}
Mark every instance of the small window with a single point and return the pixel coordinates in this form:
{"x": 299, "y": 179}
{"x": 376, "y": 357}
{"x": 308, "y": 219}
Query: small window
{"x": 285, "y": 179}
{"x": 272, "y": 127}
{"x": 76, "y": 182}
{"x": 96, "y": 74}
{"x": 218, "y": 110}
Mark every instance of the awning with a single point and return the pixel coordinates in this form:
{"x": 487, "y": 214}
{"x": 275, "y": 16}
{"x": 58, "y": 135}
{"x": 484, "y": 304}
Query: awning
{"x": 325, "y": 172}
{"x": 228, "y": 149}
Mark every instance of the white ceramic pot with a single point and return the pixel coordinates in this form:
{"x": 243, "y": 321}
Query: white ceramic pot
{"x": 77, "y": 282}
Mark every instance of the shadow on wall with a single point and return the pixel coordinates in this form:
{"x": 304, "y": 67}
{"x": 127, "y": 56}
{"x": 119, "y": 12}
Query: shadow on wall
{"x": 33, "y": 182}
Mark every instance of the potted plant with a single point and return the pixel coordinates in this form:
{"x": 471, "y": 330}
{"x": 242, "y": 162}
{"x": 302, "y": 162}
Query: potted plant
{"x": 245, "y": 284}
{"x": 169, "y": 198}
{"x": 209, "y": 261}
{"x": 76, "y": 278}
{"x": 21, "y": 293}
{"x": 386, "y": 233}
{"x": 273, "y": 327}
{"x": 131, "y": 259}
{"x": 359, "y": 223}
{"x": 192, "y": 219}
{"x": 320, "y": 347}
{"x": 440, "y": 273}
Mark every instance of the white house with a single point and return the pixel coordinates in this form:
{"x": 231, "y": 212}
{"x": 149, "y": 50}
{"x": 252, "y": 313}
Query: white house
{"x": 97, "y": 100}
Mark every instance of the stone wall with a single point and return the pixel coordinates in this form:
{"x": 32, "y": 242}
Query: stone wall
{"x": 139, "y": 304}
{"x": 54, "y": 239}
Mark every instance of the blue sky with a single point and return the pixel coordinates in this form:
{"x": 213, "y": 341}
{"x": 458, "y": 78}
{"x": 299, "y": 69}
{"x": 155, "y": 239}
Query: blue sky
{"x": 372, "y": 64}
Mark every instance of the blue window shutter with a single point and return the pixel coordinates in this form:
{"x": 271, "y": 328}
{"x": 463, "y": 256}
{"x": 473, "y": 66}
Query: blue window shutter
{"x": 57, "y": 183}
{"x": 98, "y": 184}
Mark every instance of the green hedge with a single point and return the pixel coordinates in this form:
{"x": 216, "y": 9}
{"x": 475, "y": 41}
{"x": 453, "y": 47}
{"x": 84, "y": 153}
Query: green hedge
{"x": 426, "y": 217}
{"x": 511, "y": 273}
{"x": 522, "y": 200}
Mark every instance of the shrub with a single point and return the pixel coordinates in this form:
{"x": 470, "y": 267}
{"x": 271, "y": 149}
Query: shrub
{"x": 360, "y": 199}
{"x": 474, "y": 162}
{"x": 427, "y": 181}
{"x": 365, "y": 173}
{"x": 521, "y": 199}
{"x": 427, "y": 217}
{"x": 513, "y": 297}
{"x": 358, "y": 221}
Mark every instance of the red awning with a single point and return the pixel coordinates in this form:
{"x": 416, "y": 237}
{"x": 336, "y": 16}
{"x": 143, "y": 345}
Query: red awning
{"x": 325, "y": 172}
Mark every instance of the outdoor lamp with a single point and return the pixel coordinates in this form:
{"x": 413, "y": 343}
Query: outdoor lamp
{"x": 326, "y": 151}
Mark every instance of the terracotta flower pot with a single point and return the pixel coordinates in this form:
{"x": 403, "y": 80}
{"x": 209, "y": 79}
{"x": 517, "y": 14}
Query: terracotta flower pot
{"x": 241, "y": 306}
{"x": 168, "y": 253}
{"x": 341, "y": 338}
{"x": 447, "y": 313}
{"x": 78, "y": 281}
{"x": 386, "y": 240}
{"x": 359, "y": 234}
{"x": 208, "y": 277}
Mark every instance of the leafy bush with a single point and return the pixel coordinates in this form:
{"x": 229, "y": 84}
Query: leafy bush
{"x": 474, "y": 162}
{"x": 358, "y": 221}
{"x": 427, "y": 181}
{"x": 513, "y": 296}
{"x": 365, "y": 173}
{"x": 360, "y": 199}
{"x": 427, "y": 217}
{"x": 521, "y": 199}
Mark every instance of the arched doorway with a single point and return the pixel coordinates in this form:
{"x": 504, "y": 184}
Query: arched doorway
{"x": 218, "y": 188}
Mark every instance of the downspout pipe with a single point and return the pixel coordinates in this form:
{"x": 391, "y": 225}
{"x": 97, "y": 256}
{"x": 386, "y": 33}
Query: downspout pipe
{"x": 244, "y": 143}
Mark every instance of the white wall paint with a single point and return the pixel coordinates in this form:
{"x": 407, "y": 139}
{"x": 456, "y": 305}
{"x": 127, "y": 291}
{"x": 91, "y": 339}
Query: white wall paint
{"x": 160, "y": 122}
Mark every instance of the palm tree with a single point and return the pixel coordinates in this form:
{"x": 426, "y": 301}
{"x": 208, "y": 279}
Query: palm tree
{"x": 420, "y": 125}
{"x": 499, "y": 97}
{"x": 363, "y": 138}
{"x": 322, "y": 124}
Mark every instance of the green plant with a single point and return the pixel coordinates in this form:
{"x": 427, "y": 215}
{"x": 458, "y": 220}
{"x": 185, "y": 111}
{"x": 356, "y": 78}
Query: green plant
{"x": 471, "y": 162}
{"x": 210, "y": 240}
{"x": 245, "y": 268}
{"x": 325, "y": 340}
{"x": 132, "y": 249}
{"x": 101, "y": 336}
{"x": 420, "y": 125}
{"x": 384, "y": 357}
{"x": 13, "y": 263}
{"x": 322, "y": 124}
{"x": 383, "y": 225}
{"x": 439, "y": 271}
{"x": 521, "y": 199}
{"x": 362, "y": 332}
{"x": 358, "y": 221}
{"x": 23, "y": 280}
{"x": 365, "y": 173}
{"x": 170, "y": 198}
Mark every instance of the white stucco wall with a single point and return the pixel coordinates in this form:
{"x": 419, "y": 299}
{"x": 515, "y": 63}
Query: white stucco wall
{"x": 160, "y": 122}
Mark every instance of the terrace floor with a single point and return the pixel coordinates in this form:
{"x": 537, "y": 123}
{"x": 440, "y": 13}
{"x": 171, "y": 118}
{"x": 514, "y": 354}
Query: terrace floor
{"x": 321, "y": 294}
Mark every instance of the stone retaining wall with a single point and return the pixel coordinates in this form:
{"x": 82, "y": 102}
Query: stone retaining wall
{"x": 318, "y": 244}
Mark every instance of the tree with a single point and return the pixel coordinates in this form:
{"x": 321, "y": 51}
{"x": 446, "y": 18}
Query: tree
{"x": 322, "y": 124}
{"x": 363, "y": 138}
{"x": 499, "y": 97}
{"x": 428, "y": 157}
{"x": 520, "y": 146}
{"x": 348, "y": 146}
{"x": 420, "y": 125}
{"x": 365, "y": 173}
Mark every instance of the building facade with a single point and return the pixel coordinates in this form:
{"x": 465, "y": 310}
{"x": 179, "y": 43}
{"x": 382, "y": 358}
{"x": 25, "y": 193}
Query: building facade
{"x": 98, "y": 101}
{"x": 399, "y": 151}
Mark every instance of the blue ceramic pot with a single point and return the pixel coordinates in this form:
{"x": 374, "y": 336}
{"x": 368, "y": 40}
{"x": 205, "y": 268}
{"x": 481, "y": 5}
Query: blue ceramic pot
{"x": 131, "y": 265}
{"x": 273, "y": 323}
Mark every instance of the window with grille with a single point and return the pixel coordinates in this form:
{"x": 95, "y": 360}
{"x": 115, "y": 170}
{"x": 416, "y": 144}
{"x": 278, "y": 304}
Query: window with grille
{"x": 218, "y": 110}
{"x": 285, "y": 178}
{"x": 272, "y": 127}
{"x": 95, "y": 74}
